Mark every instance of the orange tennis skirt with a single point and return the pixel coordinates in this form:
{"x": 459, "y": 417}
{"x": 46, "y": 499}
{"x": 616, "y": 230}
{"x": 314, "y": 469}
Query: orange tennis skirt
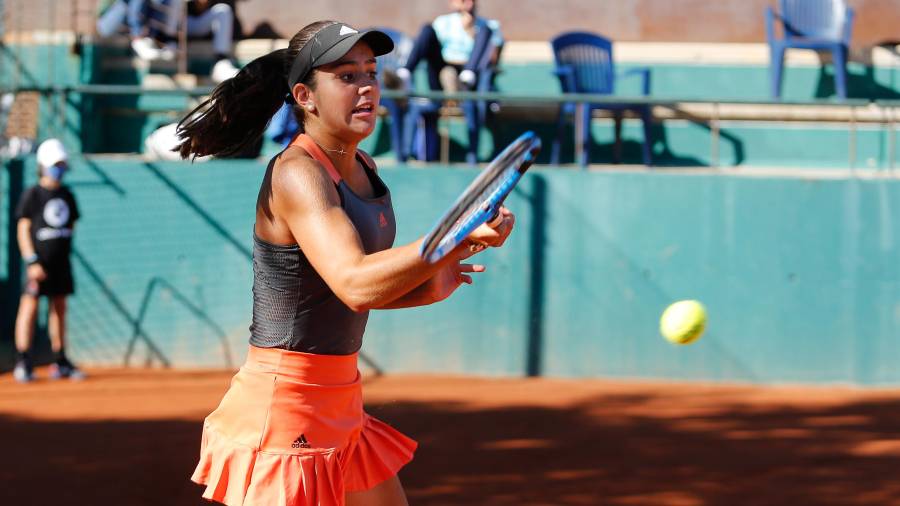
{"x": 291, "y": 431}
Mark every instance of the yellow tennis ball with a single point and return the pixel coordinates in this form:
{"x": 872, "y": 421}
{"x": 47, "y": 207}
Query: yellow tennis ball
{"x": 683, "y": 322}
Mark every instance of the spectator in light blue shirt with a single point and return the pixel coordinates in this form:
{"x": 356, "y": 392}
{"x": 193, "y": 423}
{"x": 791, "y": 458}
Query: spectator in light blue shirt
{"x": 459, "y": 39}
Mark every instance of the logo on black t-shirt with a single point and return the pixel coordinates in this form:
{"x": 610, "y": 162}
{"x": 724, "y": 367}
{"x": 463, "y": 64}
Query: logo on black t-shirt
{"x": 56, "y": 212}
{"x": 56, "y": 216}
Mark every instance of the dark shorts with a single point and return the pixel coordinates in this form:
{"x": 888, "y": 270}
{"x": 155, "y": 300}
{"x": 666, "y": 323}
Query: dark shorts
{"x": 58, "y": 282}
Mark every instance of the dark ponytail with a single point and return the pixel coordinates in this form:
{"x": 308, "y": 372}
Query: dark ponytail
{"x": 237, "y": 112}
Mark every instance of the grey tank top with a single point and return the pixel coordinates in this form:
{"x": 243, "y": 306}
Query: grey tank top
{"x": 293, "y": 307}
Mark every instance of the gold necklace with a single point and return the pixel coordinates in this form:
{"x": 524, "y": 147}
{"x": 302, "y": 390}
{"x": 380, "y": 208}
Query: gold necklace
{"x": 340, "y": 151}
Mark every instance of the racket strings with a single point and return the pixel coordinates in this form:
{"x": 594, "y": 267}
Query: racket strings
{"x": 505, "y": 179}
{"x": 481, "y": 200}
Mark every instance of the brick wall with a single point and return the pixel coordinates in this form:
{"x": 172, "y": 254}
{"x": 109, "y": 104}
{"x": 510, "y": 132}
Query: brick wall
{"x": 622, "y": 20}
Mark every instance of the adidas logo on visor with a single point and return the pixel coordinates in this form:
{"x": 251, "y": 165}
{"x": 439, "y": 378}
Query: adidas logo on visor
{"x": 346, "y": 30}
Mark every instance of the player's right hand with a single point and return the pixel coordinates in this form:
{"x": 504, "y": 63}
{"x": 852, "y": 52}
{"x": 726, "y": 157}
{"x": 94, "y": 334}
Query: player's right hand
{"x": 36, "y": 272}
{"x": 493, "y": 234}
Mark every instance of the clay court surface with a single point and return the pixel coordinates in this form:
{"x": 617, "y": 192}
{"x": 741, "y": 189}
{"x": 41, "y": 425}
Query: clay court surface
{"x": 130, "y": 437}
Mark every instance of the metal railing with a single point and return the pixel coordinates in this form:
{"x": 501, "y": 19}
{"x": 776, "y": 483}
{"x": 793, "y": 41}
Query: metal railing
{"x": 853, "y": 111}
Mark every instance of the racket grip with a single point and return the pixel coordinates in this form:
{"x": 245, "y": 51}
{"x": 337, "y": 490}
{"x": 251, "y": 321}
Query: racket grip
{"x": 495, "y": 220}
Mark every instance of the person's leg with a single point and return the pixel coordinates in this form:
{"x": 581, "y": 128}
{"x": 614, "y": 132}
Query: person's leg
{"x": 427, "y": 47}
{"x": 109, "y": 22}
{"x": 154, "y": 27}
{"x": 387, "y": 493}
{"x": 137, "y": 16}
{"x": 25, "y": 320}
{"x": 172, "y": 12}
{"x": 478, "y": 58}
{"x": 56, "y": 326}
{"x": 218, "y": 21}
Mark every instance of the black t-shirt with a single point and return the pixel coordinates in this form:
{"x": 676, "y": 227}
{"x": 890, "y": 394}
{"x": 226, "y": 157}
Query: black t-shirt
{"x": 52, "y": 214}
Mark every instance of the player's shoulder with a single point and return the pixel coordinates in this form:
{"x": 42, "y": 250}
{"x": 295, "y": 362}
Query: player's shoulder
{"x": 297, "y": 174}
{"x": 295, "y": 162}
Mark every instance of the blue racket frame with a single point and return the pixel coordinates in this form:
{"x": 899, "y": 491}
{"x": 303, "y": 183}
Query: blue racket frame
{"x": 481, "y": 201}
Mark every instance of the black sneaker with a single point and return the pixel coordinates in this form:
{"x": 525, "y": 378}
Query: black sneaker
{"x": 66, "y": 369}
{"x": 24, "y": 371}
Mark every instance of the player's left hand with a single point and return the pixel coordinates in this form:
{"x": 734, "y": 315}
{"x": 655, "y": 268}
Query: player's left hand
{"x": 449, "y": 278}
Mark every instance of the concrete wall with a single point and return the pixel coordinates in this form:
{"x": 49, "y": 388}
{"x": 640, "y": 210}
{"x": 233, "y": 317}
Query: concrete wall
{"x": 800, "y": 273}
{"x": 623, "y": 20}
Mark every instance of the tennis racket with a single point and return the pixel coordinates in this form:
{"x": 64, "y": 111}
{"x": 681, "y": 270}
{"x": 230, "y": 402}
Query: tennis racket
{"x": 481, "y": 201}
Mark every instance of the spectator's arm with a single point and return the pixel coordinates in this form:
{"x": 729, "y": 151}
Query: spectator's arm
{"x": 23, "y": 235}
{"x": 496, "y": 33}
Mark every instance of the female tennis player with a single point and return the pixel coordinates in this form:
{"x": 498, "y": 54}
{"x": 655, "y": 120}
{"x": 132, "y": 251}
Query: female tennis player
{"x": 291, "y": 429}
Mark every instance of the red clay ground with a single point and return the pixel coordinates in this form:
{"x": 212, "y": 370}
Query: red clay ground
{"x": 131, "y": 437}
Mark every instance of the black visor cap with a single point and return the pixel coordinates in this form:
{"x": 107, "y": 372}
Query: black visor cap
{"x": 331, "y": 43}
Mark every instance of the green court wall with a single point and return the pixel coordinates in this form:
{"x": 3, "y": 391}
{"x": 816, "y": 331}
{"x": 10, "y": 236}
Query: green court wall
{"x": 800, "y": 274}
{"x": 103, "y": 124}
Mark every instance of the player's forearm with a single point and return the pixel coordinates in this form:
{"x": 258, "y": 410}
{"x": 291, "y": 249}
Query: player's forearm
{"x": 418, "y": 296}
{"x": 381, "y": 279}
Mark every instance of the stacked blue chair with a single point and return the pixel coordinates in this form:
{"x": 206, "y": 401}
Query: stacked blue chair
{"x": 396, "y": 111}
{"x": 823, "y": 25}
{"x": 584, "y": 64}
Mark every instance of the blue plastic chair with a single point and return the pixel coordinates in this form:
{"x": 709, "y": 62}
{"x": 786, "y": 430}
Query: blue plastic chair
{"x": 422, "y": 118}
{"x": 823, "y": 25}
{"x": 584, "y": 64}
{"x": 396, "y": 111}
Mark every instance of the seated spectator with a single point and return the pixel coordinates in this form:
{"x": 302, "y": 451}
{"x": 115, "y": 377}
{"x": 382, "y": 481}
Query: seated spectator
{"x": 135, "y": 14}
{"x": 458, "y": 40}
{"x": 153, "y": 26}
{"x": 216, "y": 18}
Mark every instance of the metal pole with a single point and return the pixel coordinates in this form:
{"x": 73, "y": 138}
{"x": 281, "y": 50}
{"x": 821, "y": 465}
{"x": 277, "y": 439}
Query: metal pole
{"x": 444, "y": 135}
{"x": 714, "y": 155}
{"x": 53, "y": 99}
{"x": 852, "y": 147}
{"x": 890, "y": 132}
{"x": 579, "y": 131}
{"x": 17, "y": 76}
{"x": 2, "y": 37}
{"x": 64, "y": 96}
{"x": 182, "y": 38}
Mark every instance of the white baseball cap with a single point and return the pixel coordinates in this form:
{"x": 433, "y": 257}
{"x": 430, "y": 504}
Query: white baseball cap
{"x": 51, "y": 152}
